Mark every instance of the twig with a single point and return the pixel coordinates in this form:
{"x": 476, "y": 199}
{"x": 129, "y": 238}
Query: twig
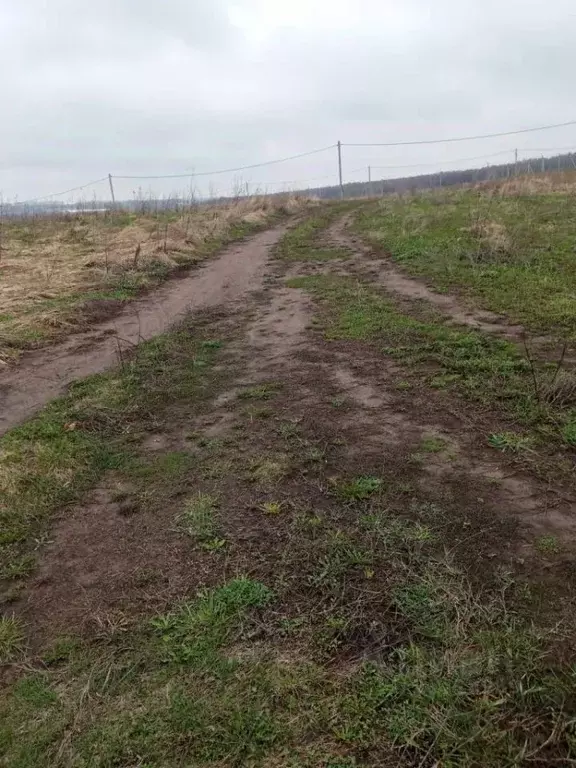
{"x": 532, "y": 368}
{"x": 560, "y": 362}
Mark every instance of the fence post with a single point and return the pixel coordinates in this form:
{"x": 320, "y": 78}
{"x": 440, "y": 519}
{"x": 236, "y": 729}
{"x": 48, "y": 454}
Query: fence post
{"x": 112, "y": 189}
{"x": 340, "y": 168}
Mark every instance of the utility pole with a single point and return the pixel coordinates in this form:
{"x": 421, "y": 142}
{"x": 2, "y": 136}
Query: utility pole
{"x": 515, "y": 162}
{"x": 112, "y": 189}
{"x": 369, "y": 187}
{"x": 542, "y": 164}
{"x": 340, "y": 169}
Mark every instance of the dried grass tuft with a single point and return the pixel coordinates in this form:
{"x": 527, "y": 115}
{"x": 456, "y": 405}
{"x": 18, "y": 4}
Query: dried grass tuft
{"x": 492, "y": 235}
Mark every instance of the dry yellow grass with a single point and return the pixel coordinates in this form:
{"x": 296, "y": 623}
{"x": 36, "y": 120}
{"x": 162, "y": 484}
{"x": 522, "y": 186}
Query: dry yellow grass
{"x": 533, "y": 184}
{"x": 57, "y": 273}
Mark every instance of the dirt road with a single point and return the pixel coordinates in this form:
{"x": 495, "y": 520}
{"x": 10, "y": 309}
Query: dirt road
{"x": 291, "y": 528}
{"x": 44, "y": 375}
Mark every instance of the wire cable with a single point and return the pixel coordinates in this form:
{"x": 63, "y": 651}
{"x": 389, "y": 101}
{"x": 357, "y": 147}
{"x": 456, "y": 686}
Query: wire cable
{"x": 465, "y": 138}
{"x": 231, "y": 170}
{"x": 66, "y": 192}
{"x": 444, "y": 162}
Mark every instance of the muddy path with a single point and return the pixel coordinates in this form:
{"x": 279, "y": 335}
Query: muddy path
{"x": 110, "y": 556}
{"x": 44, "y": 375}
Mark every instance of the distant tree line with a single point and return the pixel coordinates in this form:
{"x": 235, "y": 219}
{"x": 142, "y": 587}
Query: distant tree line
{"x": 449, "y": 178}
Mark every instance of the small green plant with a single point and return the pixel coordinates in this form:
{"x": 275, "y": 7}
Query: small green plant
{"x": 197, "y": 518}
{"x": 258, "y": 412}
{"x": 212, "y": 344}
{"x": 548, "y": 545}
{"x": 214, "y": 545}
{"x": 432, "y": 444}
{"x": 269, "y": 471}
{"x": 11, "y": 638}
{"x": 510, "y": 441}
{"x": 260, "y": 392}
{"x": 569, "y": 433}
{"x": 289, "y": 429}
{"x": 338, "y": 402}
{"x": 360, "y": 488}
{"x": 272, "y": 508}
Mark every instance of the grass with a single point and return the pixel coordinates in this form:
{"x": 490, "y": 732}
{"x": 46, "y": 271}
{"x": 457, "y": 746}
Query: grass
{"x": 12, "y": 638}
{"x": 198, "y": 518}
{"x": 548, "y": 545}
{"x": 48, "y": 462}
{"x": 59, "y": 272}
{"x": 359, "y": 489}
{"x": 432, "y": 444}
{"x": 488, "y": 370}
{"x": 511, "y": 249}
{"x": 510, "y": 441}
{"x": 264, "y": 391}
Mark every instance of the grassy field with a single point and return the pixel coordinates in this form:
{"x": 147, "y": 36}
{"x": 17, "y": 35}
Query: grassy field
{"x": 508, "y": 247}
{"x": 298, "y": 567}
{"x": 58, "y": 273}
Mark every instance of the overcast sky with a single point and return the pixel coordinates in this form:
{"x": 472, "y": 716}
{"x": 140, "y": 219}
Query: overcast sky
{"x": 136, "y": 87}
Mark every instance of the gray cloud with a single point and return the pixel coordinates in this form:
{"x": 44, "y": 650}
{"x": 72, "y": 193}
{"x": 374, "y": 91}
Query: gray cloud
{"x": 136, "y": 86}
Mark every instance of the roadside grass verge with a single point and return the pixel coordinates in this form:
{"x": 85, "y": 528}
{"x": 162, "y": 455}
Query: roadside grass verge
{"x": 61, "y": 272}
{"x": 48, "y": 462}
{"x": 489, "y": 370}
{"x": 512, "y": 254}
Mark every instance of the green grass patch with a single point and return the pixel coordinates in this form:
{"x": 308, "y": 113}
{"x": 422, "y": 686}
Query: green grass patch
{"x": 360, "y": 488}
{"x": 12, "y": 639}
{"x": 264, "y": 391}
{"x": 432, "y": 444}
{"x": 513, "y": 254}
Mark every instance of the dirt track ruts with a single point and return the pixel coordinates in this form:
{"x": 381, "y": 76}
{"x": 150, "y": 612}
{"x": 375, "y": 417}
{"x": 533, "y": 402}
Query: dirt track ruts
{"x": 44, "y": 375}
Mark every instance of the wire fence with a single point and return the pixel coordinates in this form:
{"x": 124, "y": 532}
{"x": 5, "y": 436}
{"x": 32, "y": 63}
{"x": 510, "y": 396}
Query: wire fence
{"x": 339, "y": 178}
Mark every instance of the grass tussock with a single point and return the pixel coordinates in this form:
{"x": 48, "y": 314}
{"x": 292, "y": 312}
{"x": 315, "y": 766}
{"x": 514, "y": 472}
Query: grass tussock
{"x": 57, "y": 273}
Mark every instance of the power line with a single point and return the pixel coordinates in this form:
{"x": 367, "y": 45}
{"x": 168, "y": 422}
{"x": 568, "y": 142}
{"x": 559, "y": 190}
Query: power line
{"x": 192, "y": 175}
{"x": 66, "y": 192}
{"x": 548, "y": 149}
{"x": 444, "y": 162}
{"x": 464, "y": 138}
{"x": 231, "y": 170}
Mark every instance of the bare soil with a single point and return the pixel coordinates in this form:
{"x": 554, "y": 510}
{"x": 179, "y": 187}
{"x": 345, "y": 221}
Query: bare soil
{"x": 45, "y": 374}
